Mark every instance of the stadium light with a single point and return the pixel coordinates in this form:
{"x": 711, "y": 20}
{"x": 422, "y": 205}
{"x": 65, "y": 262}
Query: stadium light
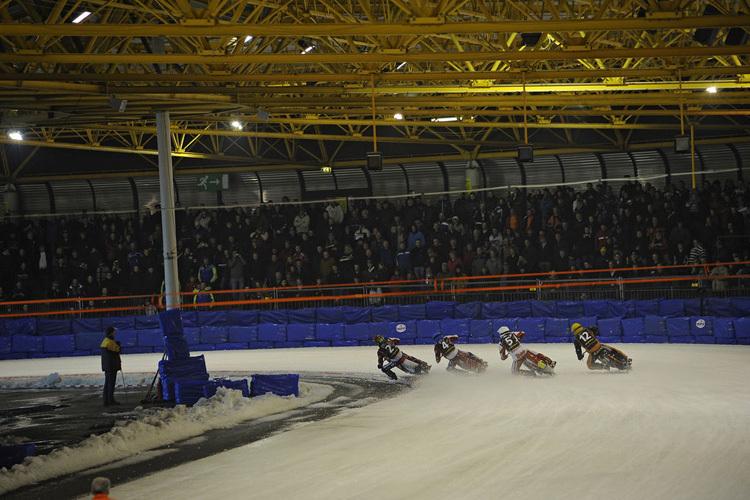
{"x": 81, "y": 17}
{"x": 15, "y": 135}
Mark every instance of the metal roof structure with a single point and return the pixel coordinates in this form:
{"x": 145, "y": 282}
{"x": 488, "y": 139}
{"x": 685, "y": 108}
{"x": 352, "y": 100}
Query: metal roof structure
{"x": 298, "y": 84}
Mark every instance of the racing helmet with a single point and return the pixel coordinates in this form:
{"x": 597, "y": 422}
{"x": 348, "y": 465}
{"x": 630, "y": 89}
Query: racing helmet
{"x": 503, "y": 329}
{"x": 437, "y": 336}
{"x": 379, "y": 339}
{"x": 576, "y": 327}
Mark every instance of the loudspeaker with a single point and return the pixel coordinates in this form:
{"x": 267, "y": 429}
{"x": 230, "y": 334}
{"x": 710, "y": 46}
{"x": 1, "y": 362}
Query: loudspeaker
{"x": 374, "y": 161}
{"x": 525, "y": 153}
{"x": 682, "y": 144}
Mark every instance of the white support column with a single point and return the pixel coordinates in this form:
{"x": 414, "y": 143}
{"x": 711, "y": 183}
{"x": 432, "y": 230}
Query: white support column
{"x": 166, "y": 191}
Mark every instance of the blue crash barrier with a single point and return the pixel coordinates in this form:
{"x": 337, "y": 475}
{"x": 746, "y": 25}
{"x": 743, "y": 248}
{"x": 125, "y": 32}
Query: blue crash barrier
{"x": 11, "y": 455}
{"x": 300, "y": 332}
{"x": 471, "y": 310}
{"x": 188, "y": 392}
{"x": 146, "y": 322}
{"x": 214, "y": 334}
{"x": 271, "y": 332}
{"x": 209, "y": 389}
{"x": 54, "y": 327}
{"x": 329, "y": 331}
{"x": 59, "y": 343}
{"x": 243, "y": 318}
{"x": 330, "y": 315}
{"x": 542, "y": 308}
{"x": 281, "y": 385}
{"x": 439, "y": 309}
{"x": 177, "y": 348}
{"x": 171, "y": 371}
{"x": 354, "y": 315}
{"x": 357, "y": 332}
{"x": 170, "y": 322}
{"x": 741, "y": 329}
{"x": 628, "y": 321}
{"x": 240, "y": 334}
{"x": 384, "y": 313}
{"x": 307, "y": 315}
{"x": 412, "y": 312}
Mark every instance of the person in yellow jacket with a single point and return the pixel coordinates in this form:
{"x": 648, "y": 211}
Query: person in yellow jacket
{"x": 110, "y": 365}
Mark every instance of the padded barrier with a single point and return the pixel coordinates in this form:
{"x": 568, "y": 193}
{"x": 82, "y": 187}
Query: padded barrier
{"x": 534, "y": 327}
{"x": 270, "y": 332}
{"x": 170, "y": 322}
{"x": 492, "y": 310}
{"x": 278, "y": 317}
{"x": 307, "y": 315}
{"x": 281, "y": 385}
{"x": 570, "y": 308}
{"x": 480, "y": 328}
{"x": 243, "y": 318}
{"x": 358, "y": 331}
{"x": 330, "y": 315}
{"x": 5, "y": 345}
{"x": 190, "y": 318}
{"x": 146, "y": 322}
{"x": 384, "y": 313}
{"x": 329, "y": 332}
{"x": 354, "y": 315}
{"x": 27, "y": 344}
{"x": 191, "y": 369}
{"x": 672, "y": 308}
{"x": 214, "y": 334}
{"x": 21, "y": 326}
{"x": 540, "y": 308}
{"x": 244, "y": 334}
{"x": 212, "y": 318}
{"x": 412, "y": 312}
{"x": 718, "y": 307}
{"x": 54, "y": 327}
{"x": 632, "y": 330}
{"x": 458, "y": 327}
{"x": 740, "y": 306}
{"x": 192, "y": 335}
{"x": 300, "y": 332}
{"x": 188, "y": 392}
{"x": 59, "y": 343}
{"x": 87, "y": 325}
{"x": 209, "y": 389}
{"x": 519, "y": 309}
{"x": 426, "y": 328}
{"x": 438, "y": 309}
{"x": 176, "y": 348}
{"x": 150, "y": 338}
{"x": 14, "y": 454}
{"x": 471, "y": 310}
{"x": 727, "y": 330}
{"x": 120, "y": 322}
{"x": 599, "y": 308}
{"x": 655, "y": 329}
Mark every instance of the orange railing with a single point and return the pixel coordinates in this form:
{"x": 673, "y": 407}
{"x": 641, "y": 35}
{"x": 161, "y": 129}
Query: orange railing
{"x": 619, "y": 283}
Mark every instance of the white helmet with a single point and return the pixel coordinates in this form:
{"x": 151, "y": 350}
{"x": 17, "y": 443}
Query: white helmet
{"x": 503, "y": 329}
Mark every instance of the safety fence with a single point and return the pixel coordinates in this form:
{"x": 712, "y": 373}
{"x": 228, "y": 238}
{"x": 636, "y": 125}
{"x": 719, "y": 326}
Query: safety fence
{"x": 697, "y": 320}
{"x": 671, "y": 282}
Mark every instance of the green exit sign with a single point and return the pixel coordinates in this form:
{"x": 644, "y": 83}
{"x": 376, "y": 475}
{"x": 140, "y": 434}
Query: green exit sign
{"x": 213, "y": 182}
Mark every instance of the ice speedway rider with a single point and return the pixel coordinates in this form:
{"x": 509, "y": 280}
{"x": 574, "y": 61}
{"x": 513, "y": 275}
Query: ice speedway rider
{"x": 525, "y": 361}
{"x": 601, "y": 356}
{"x": 397, "y": 358}
{"x": 445, "y": 348}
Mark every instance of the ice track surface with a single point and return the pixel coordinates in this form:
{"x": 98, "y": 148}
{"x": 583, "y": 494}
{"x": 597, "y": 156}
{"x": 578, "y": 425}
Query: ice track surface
{"x": 676, "y": 427}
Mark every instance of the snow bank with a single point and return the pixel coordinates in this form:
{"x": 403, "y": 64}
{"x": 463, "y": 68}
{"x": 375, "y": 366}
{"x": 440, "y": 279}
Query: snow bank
{"x": 155, "y": 428}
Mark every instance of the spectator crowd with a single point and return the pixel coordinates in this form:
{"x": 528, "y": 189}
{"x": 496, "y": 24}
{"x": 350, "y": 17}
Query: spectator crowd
{"x": 559, "y": 230}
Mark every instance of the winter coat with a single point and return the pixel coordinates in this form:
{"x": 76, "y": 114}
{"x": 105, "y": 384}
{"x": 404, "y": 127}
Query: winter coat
{"x": 110, "y": 356}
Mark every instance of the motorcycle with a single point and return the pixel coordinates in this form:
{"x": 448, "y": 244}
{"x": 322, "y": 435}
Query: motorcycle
{"x": 467, "y": 361}
{"x": 614, "y": 358}
{"x": 538, "y": 366}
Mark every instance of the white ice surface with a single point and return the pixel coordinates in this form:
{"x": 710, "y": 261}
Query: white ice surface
{"x": 676, "y": 427}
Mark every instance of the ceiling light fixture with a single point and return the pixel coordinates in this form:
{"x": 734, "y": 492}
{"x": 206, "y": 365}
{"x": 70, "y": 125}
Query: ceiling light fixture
{"x": 398, "y": 116}
{"x": 711, "y": 90}
{"x": 445, "y": 119}
{"x": 15, "y": 135}
{"x": 81, "y": 17}
{"x": 236, "y": 124}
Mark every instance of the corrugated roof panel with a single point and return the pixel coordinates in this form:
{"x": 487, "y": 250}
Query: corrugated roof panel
{"x": 501, "y": 172}
{"x": 617, "y": 165}
{"x": 425, "y": 177}
{"x": 388, "y": 181}
{"x": 718, "y": 157}
{"x": 457, "y": 175}
{"x": 544, "y": 171}
{"x": 581, "y": 167}
{"x": 680, "y": 164}
{"x": 244, "y": 189}
{"x": 72, "y": 196}
{"x": 189, "y": 195}
{"x": 148, "y": 191}
{"x": 113, "y": 194}
{"x": 279, "y": 183}
{"x": 33, "y": 198}
{"x": 650, "y": 167}
{"x": 350, "y": 178}
{"x": 315, "y": 180}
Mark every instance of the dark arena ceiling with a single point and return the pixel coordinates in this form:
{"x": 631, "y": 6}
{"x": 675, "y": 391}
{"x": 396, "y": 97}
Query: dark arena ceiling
{"x": 311, "y": 83}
